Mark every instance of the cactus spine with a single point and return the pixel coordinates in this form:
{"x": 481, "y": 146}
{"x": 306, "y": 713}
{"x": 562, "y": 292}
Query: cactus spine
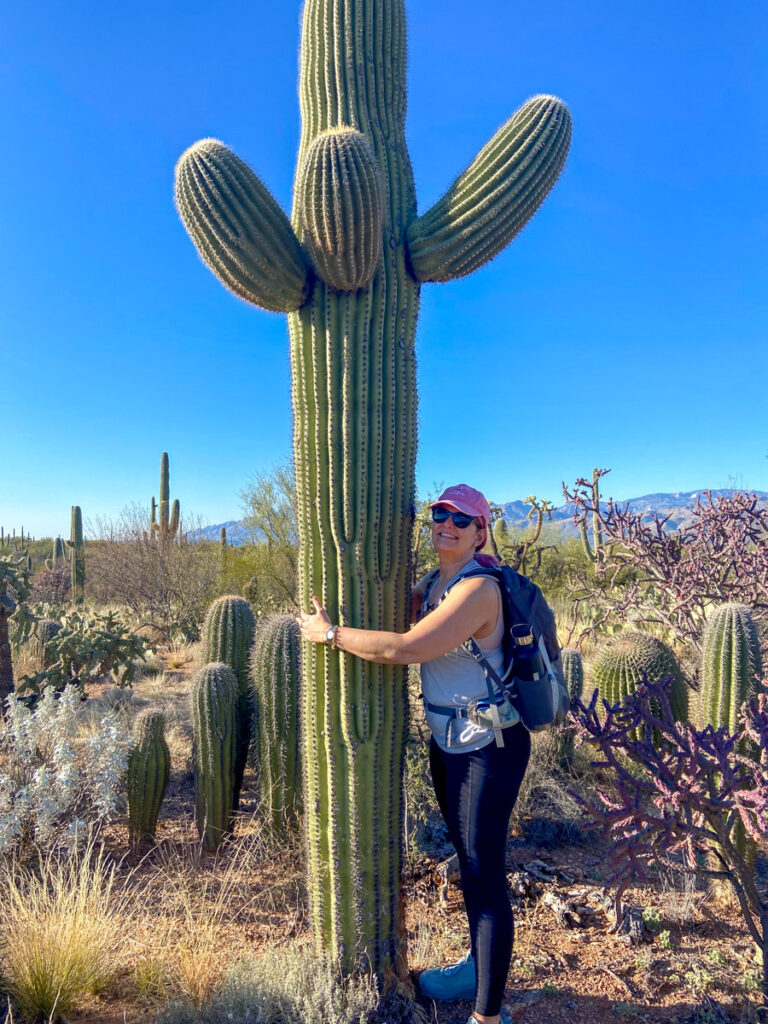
{"x": 620, "y": 662}
{"x": 76, "y": 549}
{"x": 276, "y": 678}
{"x": 149, "y": 769}
{"x": 227, "y": 637}
{"x": 354, "y": 402}
{"x": 214, "y": 723}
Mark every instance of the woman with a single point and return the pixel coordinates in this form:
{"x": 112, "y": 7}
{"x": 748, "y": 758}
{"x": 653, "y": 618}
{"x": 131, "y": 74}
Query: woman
{"x": 476, "y": 781}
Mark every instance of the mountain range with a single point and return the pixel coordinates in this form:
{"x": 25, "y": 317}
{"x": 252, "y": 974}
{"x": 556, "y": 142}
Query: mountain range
{"x": 678, "y": 505}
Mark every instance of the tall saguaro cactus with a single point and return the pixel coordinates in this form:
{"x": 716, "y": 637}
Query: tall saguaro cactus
{"x": 168, "y": 525}
{"x": 76, "y": 547}
{"x": 348, "y": 270}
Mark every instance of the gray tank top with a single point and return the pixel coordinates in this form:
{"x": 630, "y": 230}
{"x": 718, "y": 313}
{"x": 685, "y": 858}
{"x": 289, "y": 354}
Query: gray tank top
{"x": 455, "y": 678}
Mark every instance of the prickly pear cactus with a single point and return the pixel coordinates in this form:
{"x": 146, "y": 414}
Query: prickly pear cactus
{"x": 621, "y": 660}
{"x": 348, "y": 270}
{"x": 149, "y": 769}
{"x": 215, "y": 696}
{"x": 227, "y": 636}
{"x": 276, "y": 678}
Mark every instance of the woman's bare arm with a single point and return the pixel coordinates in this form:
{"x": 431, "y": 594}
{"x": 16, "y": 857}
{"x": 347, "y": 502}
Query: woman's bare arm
{"x": 469, "y": 607}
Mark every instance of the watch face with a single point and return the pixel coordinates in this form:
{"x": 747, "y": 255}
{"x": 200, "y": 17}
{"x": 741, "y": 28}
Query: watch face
{"x": 329, "y": 634}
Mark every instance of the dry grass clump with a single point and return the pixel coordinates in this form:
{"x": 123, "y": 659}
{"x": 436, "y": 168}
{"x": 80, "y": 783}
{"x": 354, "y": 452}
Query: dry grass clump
{"x": 545, "y": 807}
{"x": 61, "y": 932}
{"x": 289, "y": 985}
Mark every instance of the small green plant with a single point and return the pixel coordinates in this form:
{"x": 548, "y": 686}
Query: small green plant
{"x": 643, "y": 960}
{"x": 664, "y": 940}
{"x": 626, "y": 1010}
{"x": 550, "y": 989}
{"x": 652, "y": 918}
{"x": 699, "y": 980}
{"x": 715, "y": 956}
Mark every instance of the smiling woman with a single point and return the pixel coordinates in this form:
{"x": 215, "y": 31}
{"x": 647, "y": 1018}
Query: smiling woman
{"x": 476, "y": 778}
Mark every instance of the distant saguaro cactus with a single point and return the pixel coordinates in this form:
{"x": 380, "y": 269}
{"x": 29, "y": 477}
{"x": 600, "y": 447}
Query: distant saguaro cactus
{"x": 58, "y": 554}
{"x": 276, "y": 677}
{"x": 76, "y": 548}
{"x": 348, "y": 270}
{"x": 214, "y": 725}
{"x": 167, "y": 526}
{"x": 149, "y": 769}
{"x": 227, "y": 636}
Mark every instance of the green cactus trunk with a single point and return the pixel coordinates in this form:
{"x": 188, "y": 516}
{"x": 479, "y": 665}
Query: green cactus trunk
{"x": 731, "y": 663}
{"x": 276, "y": 678}
{"x": 77, "y": 555}
{"x": 354, "y": 401}
{"x": 214, "y": 722}
{"x": 40, "y": 643}
{"x": 227, "y": 637}
{"x": 348, "y": 272}
{"x": 573, "y": 670}
{"x": 149, "y": 769}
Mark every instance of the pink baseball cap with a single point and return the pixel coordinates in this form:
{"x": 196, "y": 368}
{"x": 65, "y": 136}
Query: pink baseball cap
{"x": 463, "y": 498}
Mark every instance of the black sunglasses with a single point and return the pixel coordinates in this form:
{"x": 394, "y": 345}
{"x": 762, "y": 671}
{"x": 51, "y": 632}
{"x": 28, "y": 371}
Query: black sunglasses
{"x": 461, "y": 520}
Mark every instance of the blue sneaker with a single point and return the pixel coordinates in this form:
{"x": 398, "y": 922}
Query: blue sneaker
{"x": 454, "y": 982}
{"x": 505, "y": 1018}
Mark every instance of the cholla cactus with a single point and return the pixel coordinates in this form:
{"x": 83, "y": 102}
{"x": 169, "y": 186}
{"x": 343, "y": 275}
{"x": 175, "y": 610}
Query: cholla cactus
{"x": 276, "y": 676}
{"x": 149, "y": 769}
{"x": 214, "y": 723}
{"x": 348, "y": 270}
{"x": 227, "y": 636}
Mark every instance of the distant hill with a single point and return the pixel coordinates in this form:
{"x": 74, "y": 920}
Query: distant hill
{"x": 678, "y": 505}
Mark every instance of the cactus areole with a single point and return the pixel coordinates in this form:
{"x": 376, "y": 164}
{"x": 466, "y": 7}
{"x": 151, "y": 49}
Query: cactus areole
{"x": 348, "y": 269}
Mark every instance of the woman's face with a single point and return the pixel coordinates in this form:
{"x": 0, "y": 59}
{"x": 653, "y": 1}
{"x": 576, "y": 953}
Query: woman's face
{"x": 449, "y": 539}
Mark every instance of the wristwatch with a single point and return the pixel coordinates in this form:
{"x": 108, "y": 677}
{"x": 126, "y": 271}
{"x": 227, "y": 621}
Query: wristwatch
{"x": 330, "y": 636}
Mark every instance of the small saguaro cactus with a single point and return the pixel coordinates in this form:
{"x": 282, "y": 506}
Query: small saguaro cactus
{"x": 214, "y": 725}
{"x": 573, "y": 671}
{"x": 58, "y": 554}
{"x": 621, "y": 661}
{"x": 149, "y": 769}
{"x": 276, "y": 677}
{"x": 76, "y": 548}
{"x": 348, "y": 269}
{"x": 227, "y": 636}
{"x": 167, "y": 525}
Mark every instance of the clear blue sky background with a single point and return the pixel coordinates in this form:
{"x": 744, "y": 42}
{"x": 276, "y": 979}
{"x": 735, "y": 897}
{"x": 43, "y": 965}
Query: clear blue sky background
{"x": 626, "y": 326}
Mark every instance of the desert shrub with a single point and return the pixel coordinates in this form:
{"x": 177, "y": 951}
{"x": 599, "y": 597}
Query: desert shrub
{"x": 54, "y": 788}
{"x": 546, "y": 809}
{"x": 51, "y": 586}
{"x": 60, "y": 932}
{"x": 292, "y": 985}
{"x": 165, "y": 584}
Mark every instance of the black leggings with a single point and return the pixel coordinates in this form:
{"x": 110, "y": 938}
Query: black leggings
{"x": 476, "y": 792}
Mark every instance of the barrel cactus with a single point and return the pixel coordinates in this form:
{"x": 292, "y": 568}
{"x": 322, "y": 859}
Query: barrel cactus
{"x": 622, "y": 660}
{"x": 227, "y": 636}
{"x": 731, "y": 663}
{"x": 348, "y": 270}
{"x": 215, "y": 696}
{"x": 149, "y": 769}
{"x": 276, "y": 678}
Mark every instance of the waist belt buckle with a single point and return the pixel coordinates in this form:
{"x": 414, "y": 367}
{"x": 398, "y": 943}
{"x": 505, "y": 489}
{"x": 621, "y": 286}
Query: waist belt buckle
{"x": 474, "y": 707}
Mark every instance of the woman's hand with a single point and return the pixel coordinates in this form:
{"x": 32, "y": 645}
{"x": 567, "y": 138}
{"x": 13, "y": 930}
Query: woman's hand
{"x": 314, "y": 625}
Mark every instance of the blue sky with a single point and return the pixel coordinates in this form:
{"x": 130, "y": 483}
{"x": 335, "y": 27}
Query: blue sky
{"x": 626, "y": 327}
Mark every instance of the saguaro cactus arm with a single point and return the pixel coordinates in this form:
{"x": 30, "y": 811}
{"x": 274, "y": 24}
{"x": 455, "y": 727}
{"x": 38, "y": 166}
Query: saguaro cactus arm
{"x": 239, "y": 229}
{"x": 496, "y": 196}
